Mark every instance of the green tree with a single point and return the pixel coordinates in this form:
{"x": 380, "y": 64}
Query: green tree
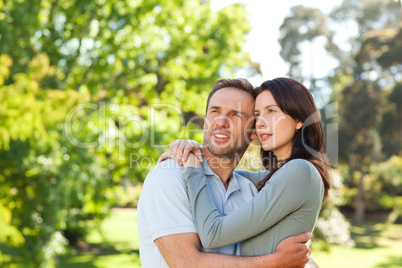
{"x": 368, "y": 71}
{"x": 87, "y": 89}
{"x": 357, "y": 133}
{"x": 144, "y": 50}
{"x": 363, "y": 103}
{"x": 303, "y": 25}
{"x": 381, "y": 52}
{"x": 386, "y": 184}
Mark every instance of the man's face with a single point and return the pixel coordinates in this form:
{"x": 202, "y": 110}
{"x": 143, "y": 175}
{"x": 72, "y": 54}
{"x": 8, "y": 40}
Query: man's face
{"x": 228, "y": 122}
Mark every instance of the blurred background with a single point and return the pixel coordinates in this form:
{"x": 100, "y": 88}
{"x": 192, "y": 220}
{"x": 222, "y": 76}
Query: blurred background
{"x": 92, "y": 92}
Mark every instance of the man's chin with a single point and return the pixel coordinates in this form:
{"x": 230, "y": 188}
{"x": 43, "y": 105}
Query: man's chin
{"x": 223, "y": 152}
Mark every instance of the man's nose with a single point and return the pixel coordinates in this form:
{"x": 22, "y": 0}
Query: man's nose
{"x": 222, "y": 121}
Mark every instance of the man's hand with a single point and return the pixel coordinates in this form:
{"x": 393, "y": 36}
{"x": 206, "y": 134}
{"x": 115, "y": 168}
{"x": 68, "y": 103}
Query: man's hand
{"x": 180, "y": 149}
{"x": 294, "y": 251}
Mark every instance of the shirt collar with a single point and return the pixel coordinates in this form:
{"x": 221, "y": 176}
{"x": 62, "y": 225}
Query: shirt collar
{"x": 233, "y": 185}
{"x": 207, "y": 169}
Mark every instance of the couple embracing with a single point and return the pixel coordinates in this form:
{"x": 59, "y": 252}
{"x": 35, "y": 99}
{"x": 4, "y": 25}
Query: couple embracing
{"x": 197, "y": 210}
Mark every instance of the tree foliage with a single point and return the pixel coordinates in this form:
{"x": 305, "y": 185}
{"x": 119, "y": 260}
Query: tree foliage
{"x": 89, "y": 93}
{"x": 304, "y": 24}
{"x": 368, "y": 74}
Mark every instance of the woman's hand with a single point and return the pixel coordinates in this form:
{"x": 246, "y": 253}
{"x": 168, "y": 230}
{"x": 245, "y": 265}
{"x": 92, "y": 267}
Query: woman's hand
{"x": 180, "y": 149}
{"x": 192, "y": 161}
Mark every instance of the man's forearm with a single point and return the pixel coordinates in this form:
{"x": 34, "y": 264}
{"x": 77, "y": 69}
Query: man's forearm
{"x": 183, "y": 250}
{"x": 202, "y": 260}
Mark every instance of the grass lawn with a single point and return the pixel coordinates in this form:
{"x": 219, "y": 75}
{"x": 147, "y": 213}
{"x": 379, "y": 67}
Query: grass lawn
{"x": 115, "y": 246}
{"x": 377, "y": 245}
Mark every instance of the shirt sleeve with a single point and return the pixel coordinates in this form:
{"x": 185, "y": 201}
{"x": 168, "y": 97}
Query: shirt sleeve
{"x": 254, "y": 176}
{"x": 283, "y": 194}
{"x": 165, "y": 202}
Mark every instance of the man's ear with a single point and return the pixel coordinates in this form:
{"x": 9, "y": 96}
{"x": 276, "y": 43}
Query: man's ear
{"x": 299, "y": 125}
{"x": 254, "y": 135}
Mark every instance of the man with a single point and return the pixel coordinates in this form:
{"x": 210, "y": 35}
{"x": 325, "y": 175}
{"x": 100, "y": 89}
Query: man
{"x": 167, "y": 233}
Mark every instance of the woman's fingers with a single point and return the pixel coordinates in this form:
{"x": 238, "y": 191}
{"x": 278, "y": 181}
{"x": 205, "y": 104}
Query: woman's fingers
{"x": 179, "y": 150}
{"x": 174, "y": 143}
{"x": 173, "y": 147}
{"x": 192, "y": 147}
{"x": 192, "y": 161}
{"x": 198, "y": 154}
{"x": 195, "y": 150}
{"x": 186, "y": 152}
{"x": 164, "y": 156}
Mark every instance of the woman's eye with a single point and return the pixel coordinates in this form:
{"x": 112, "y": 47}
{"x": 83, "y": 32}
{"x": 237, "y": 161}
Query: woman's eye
{"x": 256, "y": 115}
{"x": 271, "y": 111}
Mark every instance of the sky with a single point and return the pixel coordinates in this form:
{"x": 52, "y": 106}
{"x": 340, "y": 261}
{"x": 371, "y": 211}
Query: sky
{"x": 265, "y": 18}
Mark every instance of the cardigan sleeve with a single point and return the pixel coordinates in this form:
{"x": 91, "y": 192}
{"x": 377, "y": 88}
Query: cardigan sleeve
{"x": 253, "y": 176}
{"x": 282, "y": 195}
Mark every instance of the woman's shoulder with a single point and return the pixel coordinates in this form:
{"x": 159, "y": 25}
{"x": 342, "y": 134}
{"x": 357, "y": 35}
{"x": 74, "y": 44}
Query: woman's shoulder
{"x": 301, "y": 167}
{"x": 307, "y": 173}
{"x": 298, "y": 163}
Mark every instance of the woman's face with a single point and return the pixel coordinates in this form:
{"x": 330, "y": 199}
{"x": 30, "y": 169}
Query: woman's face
{"x": 274, "y": 128}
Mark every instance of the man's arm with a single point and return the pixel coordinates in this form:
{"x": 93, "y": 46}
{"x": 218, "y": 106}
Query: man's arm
{"x": 183, "y": 250}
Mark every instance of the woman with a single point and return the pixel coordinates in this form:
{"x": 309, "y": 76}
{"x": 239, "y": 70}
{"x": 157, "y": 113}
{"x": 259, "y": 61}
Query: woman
{"x": 291, "y": 195}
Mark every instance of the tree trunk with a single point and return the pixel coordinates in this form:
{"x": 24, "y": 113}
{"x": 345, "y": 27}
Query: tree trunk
{"x": 360, "y": 209}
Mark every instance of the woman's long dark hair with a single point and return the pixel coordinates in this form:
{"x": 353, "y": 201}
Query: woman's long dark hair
{"x": 294, "y": 99}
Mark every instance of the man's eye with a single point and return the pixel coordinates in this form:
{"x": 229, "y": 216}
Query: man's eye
{"x": 256, "y": 115}
{"x": 238, "y": 115}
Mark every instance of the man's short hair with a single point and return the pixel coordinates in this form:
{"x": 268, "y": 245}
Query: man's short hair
{"x": 238, "y": 83}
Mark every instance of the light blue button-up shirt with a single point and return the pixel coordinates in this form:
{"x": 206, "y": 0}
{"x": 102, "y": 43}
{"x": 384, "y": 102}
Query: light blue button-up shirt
{"x": 240, "y": 190}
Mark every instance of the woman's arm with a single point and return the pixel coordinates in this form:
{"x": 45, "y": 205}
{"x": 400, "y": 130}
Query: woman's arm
{"x": 254, "y": 176}
{"x": 179, "y": 150}
{"x": 285, "y": 192}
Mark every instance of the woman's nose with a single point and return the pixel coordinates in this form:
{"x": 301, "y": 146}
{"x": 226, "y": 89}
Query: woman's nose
{"x": 261, "y": 122}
